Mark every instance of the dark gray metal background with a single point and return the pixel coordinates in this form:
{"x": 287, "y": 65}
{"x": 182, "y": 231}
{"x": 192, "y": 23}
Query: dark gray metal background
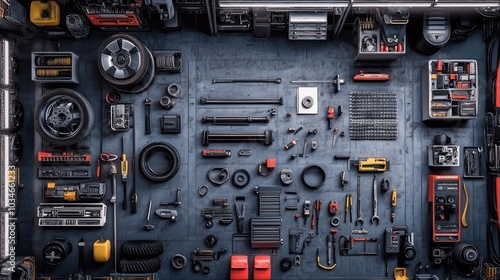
{"x": 239, "y": 55}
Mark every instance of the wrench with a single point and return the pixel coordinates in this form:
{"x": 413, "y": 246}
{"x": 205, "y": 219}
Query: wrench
{"x": 480, "y": 150}
{"x": 375, "y": 216}
{"x": 360, "y": 219}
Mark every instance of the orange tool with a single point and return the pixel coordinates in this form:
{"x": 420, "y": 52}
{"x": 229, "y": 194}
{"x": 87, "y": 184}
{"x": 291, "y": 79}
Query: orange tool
{"x": 329, "y": 115}
{"x": 362, "y": 77}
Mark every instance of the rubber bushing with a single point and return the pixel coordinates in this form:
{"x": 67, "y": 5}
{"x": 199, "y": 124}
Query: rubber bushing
{"x": 241, "y": 178}
{"x": 178, "y": 261}
{"x": 286, "y": 264}
{"x": 167, "y": 102}
{"x": 197, "y": 266}
{"x": 205, "y": 269}
{"x": 174, "y": 90}
{"x": 211, "y": 240}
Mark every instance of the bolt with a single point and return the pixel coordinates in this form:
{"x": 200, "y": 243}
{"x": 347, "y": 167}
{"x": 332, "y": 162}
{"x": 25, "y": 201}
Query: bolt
{"x": 148, "y": 226}
{"x": 297, "y": 130}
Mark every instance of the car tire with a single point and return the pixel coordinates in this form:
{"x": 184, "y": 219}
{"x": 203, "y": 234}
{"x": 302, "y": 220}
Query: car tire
{"x": 122, "y": 60}
{"x": 63, "y": 117}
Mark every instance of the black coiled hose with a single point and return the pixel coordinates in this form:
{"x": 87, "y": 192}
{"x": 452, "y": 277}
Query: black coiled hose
{"x": 170, "y": 153}
{"x": 140, "y": 249}
{"x": 150, "y": 265}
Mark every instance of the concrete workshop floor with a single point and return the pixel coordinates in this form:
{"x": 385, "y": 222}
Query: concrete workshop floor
{"x": 239, "y": 55}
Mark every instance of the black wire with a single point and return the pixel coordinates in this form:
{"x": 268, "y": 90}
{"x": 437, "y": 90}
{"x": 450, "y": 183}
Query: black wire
{"x": 492, "y": 250}
{"x": 170, "y": 153}
{"x": 310, "y": 170}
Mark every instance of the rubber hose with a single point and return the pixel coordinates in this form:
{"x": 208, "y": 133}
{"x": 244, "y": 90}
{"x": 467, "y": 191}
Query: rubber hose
{"x": 151, "y": 265}
{"x": 141, "y": 249}
{"x": 169, "y": 151}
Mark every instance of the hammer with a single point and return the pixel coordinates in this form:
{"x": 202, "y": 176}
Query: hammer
{"x": 147, "y": 226}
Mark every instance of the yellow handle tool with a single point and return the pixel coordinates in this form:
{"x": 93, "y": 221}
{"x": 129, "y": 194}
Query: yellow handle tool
{"x": 124, "y": 171}
{"x": 393, "y": 205}
{"x": 371, "y": 164}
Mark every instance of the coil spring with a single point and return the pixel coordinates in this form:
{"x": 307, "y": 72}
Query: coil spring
{"x": 167, "y": 62}
{"x": 150, "y": 265}
{"x": 53, "y": 72}
{"x": 54, "y": 61}
{"x": 141, "y": 249}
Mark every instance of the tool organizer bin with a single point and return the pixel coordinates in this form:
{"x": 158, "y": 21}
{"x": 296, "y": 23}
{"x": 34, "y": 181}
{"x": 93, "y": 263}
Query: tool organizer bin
{"x": 449, "y": 89}
{"x": 370, "y": 47}
{"x": 61, "y": 67}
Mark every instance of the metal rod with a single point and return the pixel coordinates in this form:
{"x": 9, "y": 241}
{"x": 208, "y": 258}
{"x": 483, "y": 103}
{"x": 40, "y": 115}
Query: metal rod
{"x": 235, "y": 120}
{"x": 225, "y": 81}
{"x": 241, "y": 101}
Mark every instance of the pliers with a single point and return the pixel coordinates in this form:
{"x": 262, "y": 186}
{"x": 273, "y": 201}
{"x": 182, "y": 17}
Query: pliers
{"x": 348, "y": 207}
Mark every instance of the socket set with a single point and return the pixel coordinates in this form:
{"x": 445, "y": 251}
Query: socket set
{"x": 64, "y": 173}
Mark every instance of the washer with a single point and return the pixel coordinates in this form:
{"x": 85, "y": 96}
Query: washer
{"x": 307, "y": 101}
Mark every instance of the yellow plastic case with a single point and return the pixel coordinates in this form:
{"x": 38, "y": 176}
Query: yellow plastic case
{"x": 102, "y": 250}
{"x": 45, "y": 13}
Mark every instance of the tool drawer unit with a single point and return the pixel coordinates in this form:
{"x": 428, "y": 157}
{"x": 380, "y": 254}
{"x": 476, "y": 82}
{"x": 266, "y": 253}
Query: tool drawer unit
{"x": 450, "y": 90}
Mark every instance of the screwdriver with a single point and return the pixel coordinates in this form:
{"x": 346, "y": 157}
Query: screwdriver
{"x": 133, "y": 195}
{"x": 393, "y": 204}
{"x": 124, "y": 170}
{"x": 329, "y": 116}
{"x": 317, "y": 207}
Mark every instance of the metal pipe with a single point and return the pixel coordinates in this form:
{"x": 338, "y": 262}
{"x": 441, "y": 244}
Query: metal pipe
{"x": 235, "y": 120}
{"x": 240, "y": 101}
{"x": 266, "y": 138}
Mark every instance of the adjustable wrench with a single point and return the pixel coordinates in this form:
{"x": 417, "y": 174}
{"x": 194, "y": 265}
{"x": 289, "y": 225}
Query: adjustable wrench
{"x": 360, "y": 219}
{"x": 375, "y": 216}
